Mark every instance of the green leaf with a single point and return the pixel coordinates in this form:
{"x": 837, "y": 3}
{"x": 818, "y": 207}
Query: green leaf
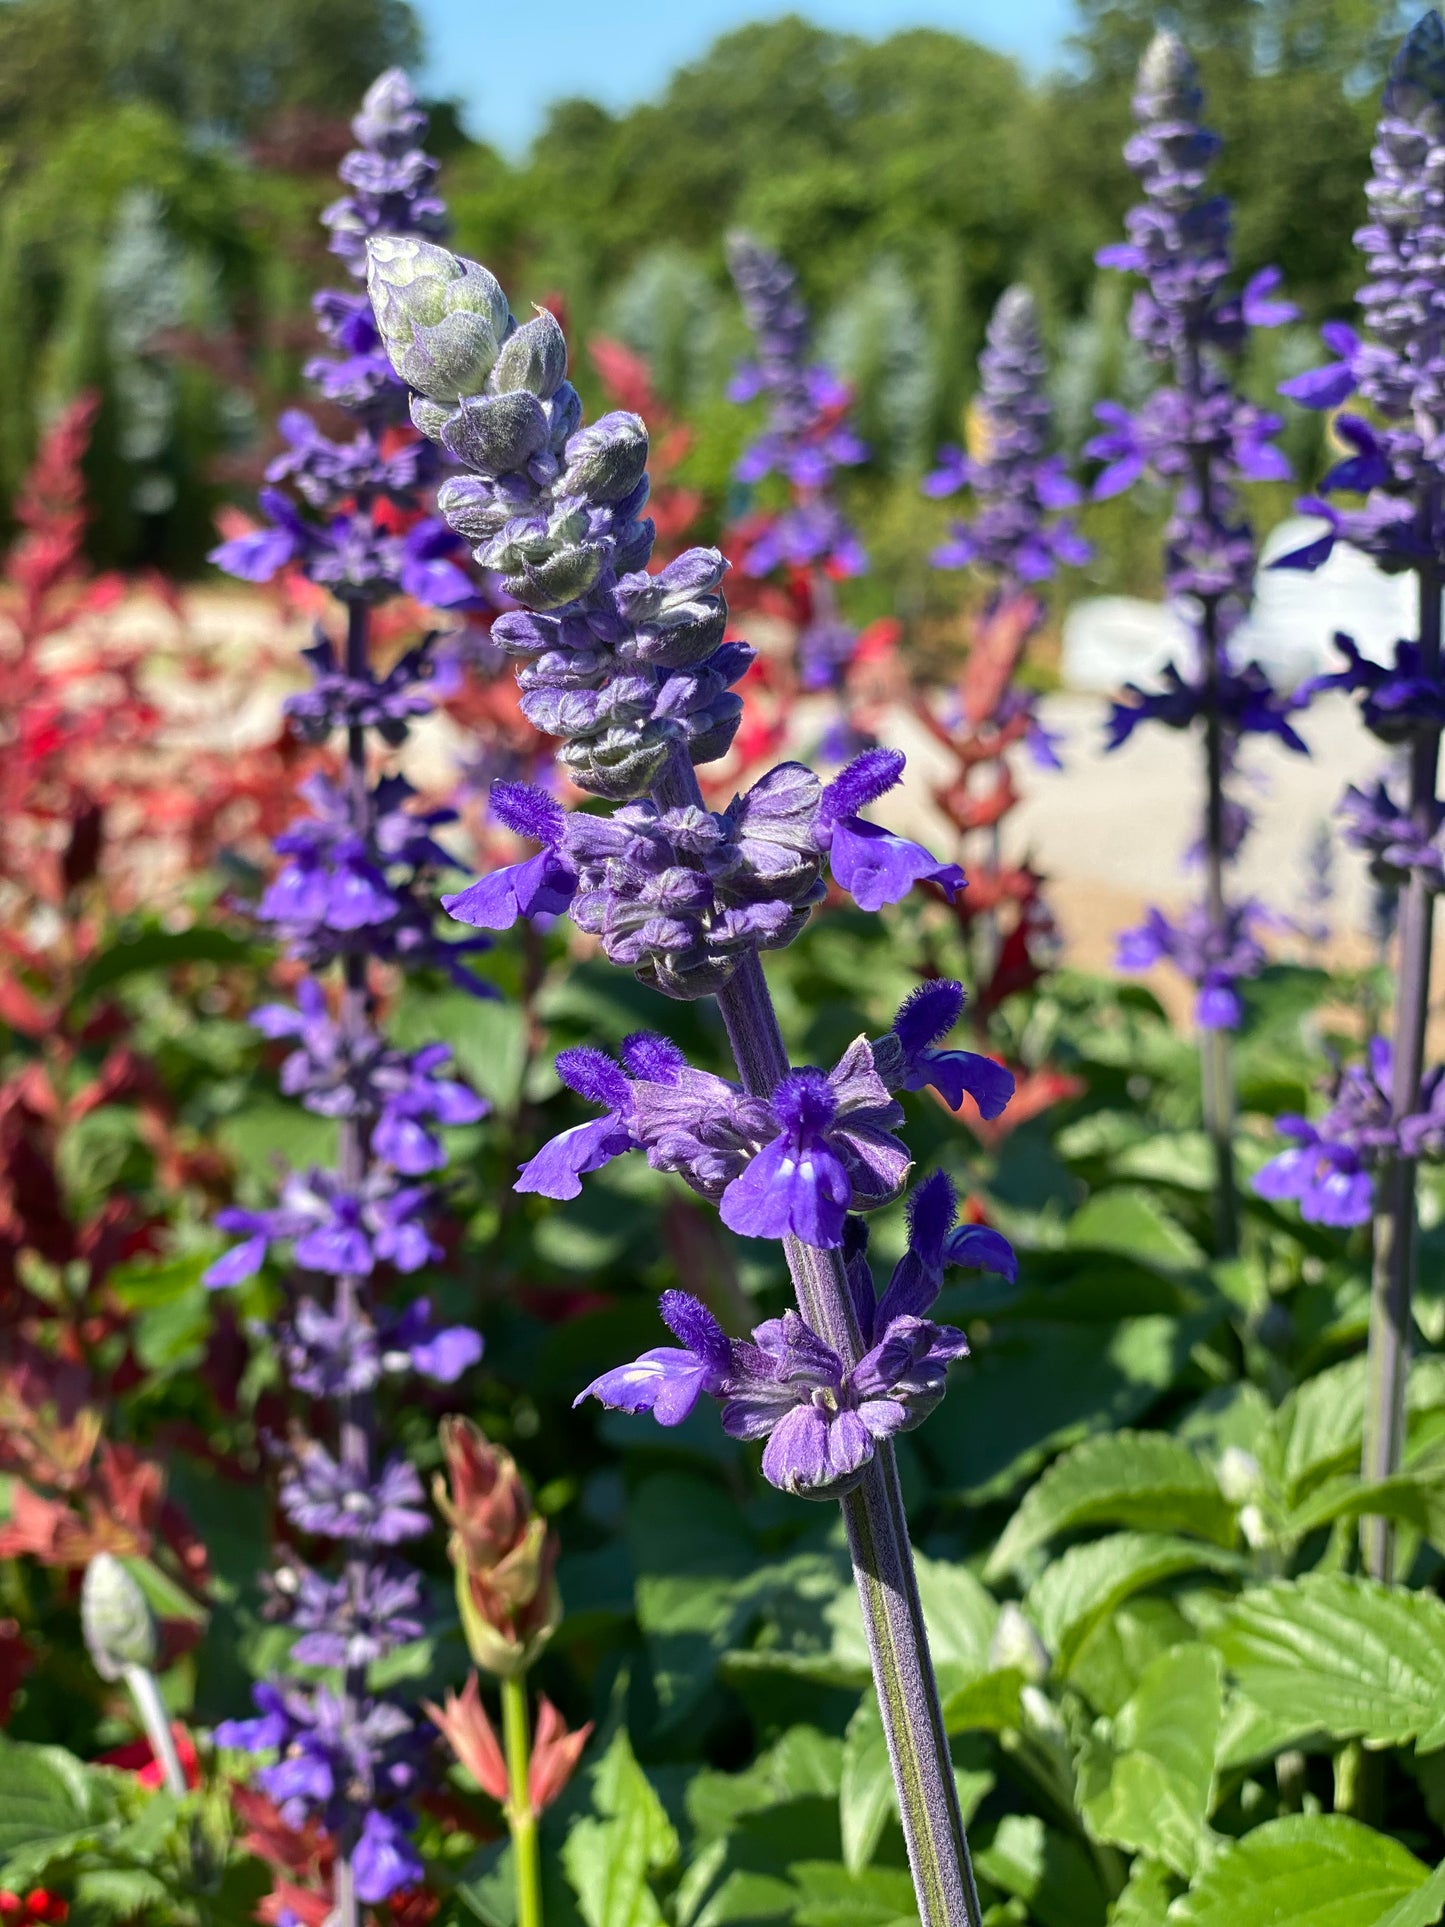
{"x": 1145, "y": 1901}
{"x": 834, "y": 1897}
{"x": 487, "y": 1037}
{"x": 609, "y": 1860}
{"x": 1086, "y": 1582}
{"x": 47, "y": 1796}
{"x": 961, "y": 1614}
{"x": 1318, "y": 1427}
{"x": 1150, "y": 1789}
{"x": 693, "y": 1558}
{"x": 1310, "y": 1870}
{"x": 1142, "y": 1479}
{"x": 1342, "y": 1655}
{"x": 865, "y": 1797}
{"x": 1037, "y": 1387}
{"x": 988, "y": 1704}
{"x": 1423, "y": 1908}
{"x": 1133, "y": 1222}
{"x": 157, "y": 949}
{"x": 1047, "y": 1870}
{"x": 1416, "y": 1498}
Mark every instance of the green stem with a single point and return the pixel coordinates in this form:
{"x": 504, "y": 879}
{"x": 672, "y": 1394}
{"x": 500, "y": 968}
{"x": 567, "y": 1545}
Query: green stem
{"x": 517, "y": 1744}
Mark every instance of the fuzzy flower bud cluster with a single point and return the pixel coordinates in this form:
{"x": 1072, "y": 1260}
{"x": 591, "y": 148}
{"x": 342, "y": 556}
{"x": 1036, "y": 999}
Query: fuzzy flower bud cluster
{"x": 620, "y": 665}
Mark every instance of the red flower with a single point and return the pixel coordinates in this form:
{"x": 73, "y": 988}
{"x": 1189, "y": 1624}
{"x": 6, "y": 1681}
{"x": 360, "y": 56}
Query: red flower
{"x": 138, "y": 1757}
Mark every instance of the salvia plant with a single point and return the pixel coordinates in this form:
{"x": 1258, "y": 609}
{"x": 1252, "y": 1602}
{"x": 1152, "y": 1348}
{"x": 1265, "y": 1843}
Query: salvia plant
{"x": 1198, "y": 438}
{"x": 632, "y": 672}
{"x": 353, "y": 900}
{"x": 1018, "y": 536}
{"x": 1388, "y": 1112}
{"x": 806, "y": 439}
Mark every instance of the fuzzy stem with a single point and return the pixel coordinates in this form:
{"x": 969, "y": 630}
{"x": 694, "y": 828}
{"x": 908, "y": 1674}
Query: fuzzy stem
{"x": 1395, "y": 1211}
{"x": 357, "y": 1416}
{"x": 1216, "y": 1068}
{"x": 149, "y": 1705}
{"x": 873, "y": 1513}
{"x": 521, "y": 1819}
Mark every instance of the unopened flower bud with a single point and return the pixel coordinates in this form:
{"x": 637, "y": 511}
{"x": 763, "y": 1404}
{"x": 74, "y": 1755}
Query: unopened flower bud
{"x": 1238, "y": 1474}
{"x": 503, "y": 1555}
{"x": 534, "y": 358}
{"x": 115, "y": 1619}
{"x": 1015, "y": 1645}
{"x": 442, "y": 320}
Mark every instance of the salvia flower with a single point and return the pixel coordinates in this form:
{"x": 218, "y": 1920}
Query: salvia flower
{"x": 1020, "y": 531}
{"x": 1330, "y": 1170}
{"x": 1393, "y": 363}
{"x": 821, "y": 1419}
{"x": 1213, "y": 956}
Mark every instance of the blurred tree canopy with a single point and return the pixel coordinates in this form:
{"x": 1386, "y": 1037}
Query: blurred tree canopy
{"x": 187, "y": 151}
{"x": 224, "y": 69}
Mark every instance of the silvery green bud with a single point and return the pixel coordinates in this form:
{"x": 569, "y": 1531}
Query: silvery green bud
{"x": 442, "y": 320}
{"x": 1239, "y": 1475}
{"x": 561, "y": 578}
{"x": 607, "y": 459}
{"x": 496, "y": 434}
{"x": 470, "y": 507}
{"x": 115, "y": 1619}
{"x": 620, "y": 763}
{"x": 534, "y": 358}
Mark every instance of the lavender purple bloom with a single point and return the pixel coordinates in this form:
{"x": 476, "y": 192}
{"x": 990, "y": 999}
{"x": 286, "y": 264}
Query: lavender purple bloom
{"x": 1200, "y": 439}
{"x": 632, "y": 670}
{"x": 356, "y": 887}
{"x": 821, "y": 1418}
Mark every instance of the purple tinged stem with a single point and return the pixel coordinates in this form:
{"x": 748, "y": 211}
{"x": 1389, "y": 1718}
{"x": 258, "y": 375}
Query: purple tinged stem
{"x": 1392, "y": 1284}
{"x": 873, "y": 1512}
{"x": 358, "y": 1414}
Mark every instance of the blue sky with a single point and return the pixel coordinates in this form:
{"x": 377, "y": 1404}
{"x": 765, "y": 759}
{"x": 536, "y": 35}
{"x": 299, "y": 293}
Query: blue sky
{"x": 507, "y": 59}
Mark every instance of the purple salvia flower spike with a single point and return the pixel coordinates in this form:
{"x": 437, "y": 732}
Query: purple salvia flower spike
{"x": 356, "y": 884}
{"x": 1199, "y": 438}
{"x": 1359, "y": 1159}
{"x": 631, "y": 670}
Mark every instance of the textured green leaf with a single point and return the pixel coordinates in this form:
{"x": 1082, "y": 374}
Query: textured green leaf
{"x": 1319, "y": 1425}
{"x": 1306, "y": 1870}
{"x": 609, "y": 1860}
{"x": 988, "y": 1704}
{"x": 1150, "y": 1789}
{"x": 1142, "y": 1479}
{"x": 1133, "y": 1222}
{"x": 1051, "y": 1873}
{"x": 1342, "y": 1655}
{"x": 693, "y": 1558}
{"x": 1088, "y": 1581}
{"x": 46, "y": 1796}
{"x": 1417, "y": 1497}
{"x": 832, "y": 1897}
{"x": 1422, "y": 1908}
{"x": 961, "y": 1614}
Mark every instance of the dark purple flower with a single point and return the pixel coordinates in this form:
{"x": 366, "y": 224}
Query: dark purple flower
{"x": 1399, "y": 700}
{"x": 1214, "y": 958}
{"x": 875, "y": 866}
{"x": 669, "y": 1381}
{"x": 927, "y": 1015}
